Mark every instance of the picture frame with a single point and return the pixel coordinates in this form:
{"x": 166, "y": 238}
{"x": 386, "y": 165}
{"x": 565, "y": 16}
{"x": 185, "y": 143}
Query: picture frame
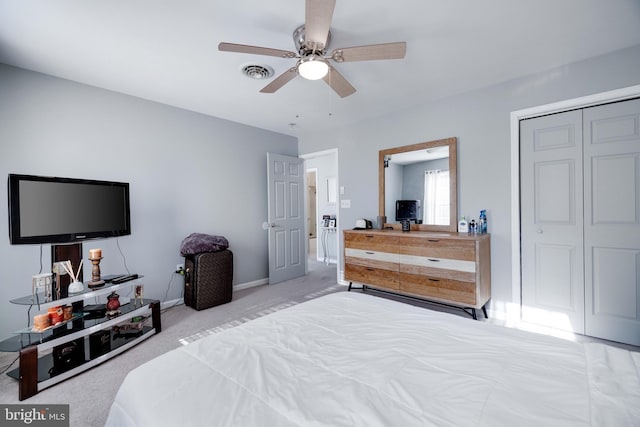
{"x": 332, "y": 223}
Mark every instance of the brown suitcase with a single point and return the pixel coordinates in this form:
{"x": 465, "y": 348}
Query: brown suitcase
{"x": 208, "y": 279}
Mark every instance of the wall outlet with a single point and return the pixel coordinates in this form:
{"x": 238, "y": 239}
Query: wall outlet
{"x": 179, "y": 268}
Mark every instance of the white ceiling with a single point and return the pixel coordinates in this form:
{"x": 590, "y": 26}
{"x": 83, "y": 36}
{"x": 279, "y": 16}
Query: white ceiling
{"x": 166, "y": 51}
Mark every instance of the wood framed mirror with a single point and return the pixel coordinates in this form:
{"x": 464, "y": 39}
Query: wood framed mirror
{"x": 423, "y": 175}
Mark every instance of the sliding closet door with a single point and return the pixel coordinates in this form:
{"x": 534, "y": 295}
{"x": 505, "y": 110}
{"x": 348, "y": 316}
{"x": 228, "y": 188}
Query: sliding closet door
{"x": 552, "y": 221}
{"x": 612, "y": 221}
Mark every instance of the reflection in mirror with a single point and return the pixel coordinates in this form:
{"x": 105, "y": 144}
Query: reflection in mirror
{"x": 417, "y": 186}
{"x": 418, "y": 182}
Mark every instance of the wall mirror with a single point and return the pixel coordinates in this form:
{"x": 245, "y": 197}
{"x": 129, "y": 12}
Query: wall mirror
{"x": 419, "y": 182}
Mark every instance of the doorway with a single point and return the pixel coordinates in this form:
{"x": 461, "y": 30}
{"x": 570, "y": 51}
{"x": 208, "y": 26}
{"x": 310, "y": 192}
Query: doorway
{"x": 312, "y": 213}
{"x": 321, "y": 172}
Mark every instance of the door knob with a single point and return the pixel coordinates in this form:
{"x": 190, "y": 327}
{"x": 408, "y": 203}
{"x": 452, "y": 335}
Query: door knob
{"x": 268, "y": 225}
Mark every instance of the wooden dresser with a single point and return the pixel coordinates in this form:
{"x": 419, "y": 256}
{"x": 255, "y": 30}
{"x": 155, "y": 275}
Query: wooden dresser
{"x": 448, "y": 268}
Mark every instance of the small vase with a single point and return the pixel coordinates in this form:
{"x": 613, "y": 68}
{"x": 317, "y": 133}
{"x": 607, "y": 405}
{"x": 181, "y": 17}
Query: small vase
{"x": 113, "y": 303}
{"x": 76, "y": 287}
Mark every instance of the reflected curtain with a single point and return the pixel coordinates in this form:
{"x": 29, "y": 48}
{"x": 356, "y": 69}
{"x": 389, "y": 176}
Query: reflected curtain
{"x": 436, "y": 197}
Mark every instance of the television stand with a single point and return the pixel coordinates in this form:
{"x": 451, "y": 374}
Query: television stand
{"x": 59, "y": 352}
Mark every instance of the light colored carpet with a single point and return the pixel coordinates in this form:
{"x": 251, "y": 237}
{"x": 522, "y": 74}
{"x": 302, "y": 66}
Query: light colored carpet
{"x": 91, "y": 393}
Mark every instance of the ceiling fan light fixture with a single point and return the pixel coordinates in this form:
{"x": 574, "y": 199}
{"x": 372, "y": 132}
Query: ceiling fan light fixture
{"x": 313, "y": 67}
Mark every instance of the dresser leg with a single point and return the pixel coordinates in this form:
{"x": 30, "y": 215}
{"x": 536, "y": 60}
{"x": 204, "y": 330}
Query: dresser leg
{"x": 473, "y": 313}
{"x": 363, "y": 287}
{"x": 484, "y": 310}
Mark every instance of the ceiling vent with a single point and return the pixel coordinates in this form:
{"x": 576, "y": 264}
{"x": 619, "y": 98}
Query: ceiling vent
{"x": 257, "y": 72}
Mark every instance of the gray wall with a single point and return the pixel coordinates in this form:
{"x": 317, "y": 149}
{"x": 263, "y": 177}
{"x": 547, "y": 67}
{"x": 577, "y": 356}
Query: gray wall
{"x": 188, "y": 173}
{"x": 480, "y": 120}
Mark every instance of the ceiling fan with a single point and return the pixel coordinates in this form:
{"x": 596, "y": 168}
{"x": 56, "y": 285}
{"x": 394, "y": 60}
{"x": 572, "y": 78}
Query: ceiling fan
{"x": 311, "y": 41}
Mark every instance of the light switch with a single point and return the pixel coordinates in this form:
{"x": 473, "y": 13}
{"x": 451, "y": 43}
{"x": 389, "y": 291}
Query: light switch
{"x": 342, "y": 190}
{"x": 345, "y": 204}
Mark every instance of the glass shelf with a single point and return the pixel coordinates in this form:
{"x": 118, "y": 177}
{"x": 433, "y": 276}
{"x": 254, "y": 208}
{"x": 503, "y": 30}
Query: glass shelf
{"x": 46, "y": 368}
{"x": 85, "y": 321}
{"x": 88, "y": 293}
{"x": 124, "y": 309}
{"x": 30, "y": 330}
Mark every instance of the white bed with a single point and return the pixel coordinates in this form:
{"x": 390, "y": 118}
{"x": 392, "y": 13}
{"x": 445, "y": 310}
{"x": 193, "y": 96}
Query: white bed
{"x": 351, "y": 359}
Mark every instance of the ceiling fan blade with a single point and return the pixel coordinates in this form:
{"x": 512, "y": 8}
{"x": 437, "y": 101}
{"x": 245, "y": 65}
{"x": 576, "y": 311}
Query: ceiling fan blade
{"x": 256, "y": 50}
{"x": 280, "y": 81}
{"x": 338, "y": 83}
{"x": 370, "y": 53}
{"x": 318, "y": 15}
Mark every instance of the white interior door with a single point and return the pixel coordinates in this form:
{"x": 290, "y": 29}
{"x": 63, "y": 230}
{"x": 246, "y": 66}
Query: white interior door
{"x": 580, "y": 220}
{"x": 552, "y": 221}
{"x": 612, "y": 221}
{"x": 285, "y": 176}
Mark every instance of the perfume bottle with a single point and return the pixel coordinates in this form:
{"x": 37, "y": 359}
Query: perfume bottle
{"x": 463, "y": 225}
{"x": 483, "y": 222}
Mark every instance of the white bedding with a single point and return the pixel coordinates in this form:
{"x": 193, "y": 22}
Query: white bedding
{"x": 351, "y": 359}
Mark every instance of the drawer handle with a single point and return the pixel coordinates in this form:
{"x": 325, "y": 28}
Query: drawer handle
{"x": 434, "y": 280}
{"x": 433, "y": 260}
{"x": 369, "y": 236}
{"x": 370, "y": 269}
{"x": 370, "y": 253}
{"x": 434, "y": 240}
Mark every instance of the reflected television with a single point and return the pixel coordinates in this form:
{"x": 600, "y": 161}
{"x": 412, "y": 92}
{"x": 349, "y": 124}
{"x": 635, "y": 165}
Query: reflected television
{"x": 407, "y": 210}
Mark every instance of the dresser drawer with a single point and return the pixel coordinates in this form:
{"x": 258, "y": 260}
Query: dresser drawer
{"x": 458, "y": 249}
{"x": 376, "y": 277}
{"x": 438, "y": 267}
{"x": 450, "y": 291}
{"x": 371, "y": 242}
{"x": 366, "y": 258}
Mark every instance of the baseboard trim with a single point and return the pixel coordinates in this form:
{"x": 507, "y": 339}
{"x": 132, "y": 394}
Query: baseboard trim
{"x": 178, "y": 301}
{"x": 331, "y": 260}
{"x": 171, "y": 303}
{"x": 253, "y": 284}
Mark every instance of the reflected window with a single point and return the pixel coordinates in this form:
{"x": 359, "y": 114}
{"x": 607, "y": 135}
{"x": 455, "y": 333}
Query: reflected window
{"x": 436, "y": 197}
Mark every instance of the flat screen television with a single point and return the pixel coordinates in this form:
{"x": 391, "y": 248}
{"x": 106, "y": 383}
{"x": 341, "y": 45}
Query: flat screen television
{"x": 407, "y": 210}
{"x": 64, "y": 210}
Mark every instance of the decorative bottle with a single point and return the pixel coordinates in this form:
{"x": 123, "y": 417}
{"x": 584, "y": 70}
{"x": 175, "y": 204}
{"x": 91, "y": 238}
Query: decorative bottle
{"x": 463, "y": 225}
{"x": 483, "y": 221}
{"x": 113, "y": 303}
